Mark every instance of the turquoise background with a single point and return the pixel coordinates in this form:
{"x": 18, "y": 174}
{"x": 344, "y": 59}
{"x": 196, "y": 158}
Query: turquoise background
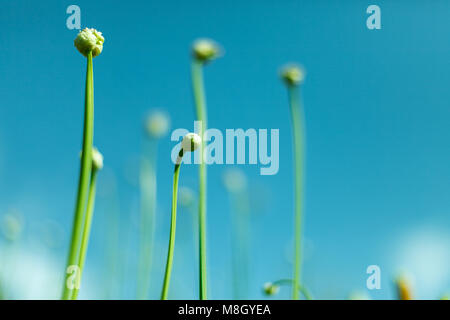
{"x": 377, "y": 116}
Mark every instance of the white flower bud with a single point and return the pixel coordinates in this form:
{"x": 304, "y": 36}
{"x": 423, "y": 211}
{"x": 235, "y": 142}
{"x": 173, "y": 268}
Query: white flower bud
{"x": 293, "y": 74}
{"x": 97, "y": 159}
{"x": 206, "y": 50}
{"x": 89, "y": 40}
{"x": 191, "y": 142}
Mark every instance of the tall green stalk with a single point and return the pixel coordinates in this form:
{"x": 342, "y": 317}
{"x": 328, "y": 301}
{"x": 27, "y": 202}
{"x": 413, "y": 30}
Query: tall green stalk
{"x": 173, "y": 225}
{"x": 87, "y": 227}
{"x": 200, "y": 108}
{"x": 298, "y": 138}
{"x": 85, "y": 171}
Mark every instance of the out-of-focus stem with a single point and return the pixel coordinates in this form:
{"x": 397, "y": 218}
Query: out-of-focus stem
{"x": 114, "y": 263}
{"x": 241, "y": 234}
{"x": 298, "y": 139}
{"x": 147, "y": 181}
{"x": 200, "y": 107}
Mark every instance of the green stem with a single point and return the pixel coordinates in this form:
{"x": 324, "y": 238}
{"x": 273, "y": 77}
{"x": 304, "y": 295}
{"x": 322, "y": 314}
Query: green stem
{"x": 147, "y": 183}
{"x": 173, "y": 225}
{"x": 85, "y": 170}
{"x": 298, "y": 130}
{"x": 290, "y": 282}
{"x": 87, "y": 227}
{"x": 200, "y": 107}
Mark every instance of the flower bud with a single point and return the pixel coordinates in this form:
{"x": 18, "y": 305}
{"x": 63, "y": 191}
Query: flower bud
{"x": 293, "y": 74}
{"x": 89, "y": 40}
{"x": 270, "y": 289}
{"x": 191, "y": 142}
{"x": 205, "y": 50}
{"x": 97, "y": 159}
{"x": 157, "y": 124}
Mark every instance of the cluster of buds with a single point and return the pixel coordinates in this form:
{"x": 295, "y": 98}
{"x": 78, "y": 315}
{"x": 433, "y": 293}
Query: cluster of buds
{"x": 89, "y": 40}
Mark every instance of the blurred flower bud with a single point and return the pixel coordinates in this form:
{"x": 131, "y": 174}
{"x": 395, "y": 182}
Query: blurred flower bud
{"x": 403, "y": 285}
{"x": 89, "y": 40}
{"x": 293, "y": 74}
{"x": 206, "y": 50}
{"x": 157, "y": 124}
{"x": 270, "y": 289}
{"x": 11, "y": 225}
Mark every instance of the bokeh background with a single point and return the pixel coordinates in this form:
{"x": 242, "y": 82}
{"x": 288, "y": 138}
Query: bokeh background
{"x": 377, "y": 117}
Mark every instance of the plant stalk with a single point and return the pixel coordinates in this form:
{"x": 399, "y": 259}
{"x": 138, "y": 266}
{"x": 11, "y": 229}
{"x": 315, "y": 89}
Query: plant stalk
{"x": 87, "y": 227}
{"x": 200, "y": 107}
{"x": 173, "y": 224}
{"x": 298, "y": 139}
{"x": 83, "y": 182}
{"x": 147, "y": 181}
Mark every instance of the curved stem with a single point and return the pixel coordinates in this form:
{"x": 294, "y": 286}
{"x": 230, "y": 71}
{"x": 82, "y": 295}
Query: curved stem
{"x": 173, "y": 224}
{"x": 87, "y": 227}
{"x": 200, "y": 107}
{"x": 298, "y": 130}
{"x": 85, "y": 170}
{"x": 290, "y": 282}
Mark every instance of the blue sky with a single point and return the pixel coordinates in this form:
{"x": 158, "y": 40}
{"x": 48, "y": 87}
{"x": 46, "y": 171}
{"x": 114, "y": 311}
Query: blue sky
{"x": 377, "y": 118}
